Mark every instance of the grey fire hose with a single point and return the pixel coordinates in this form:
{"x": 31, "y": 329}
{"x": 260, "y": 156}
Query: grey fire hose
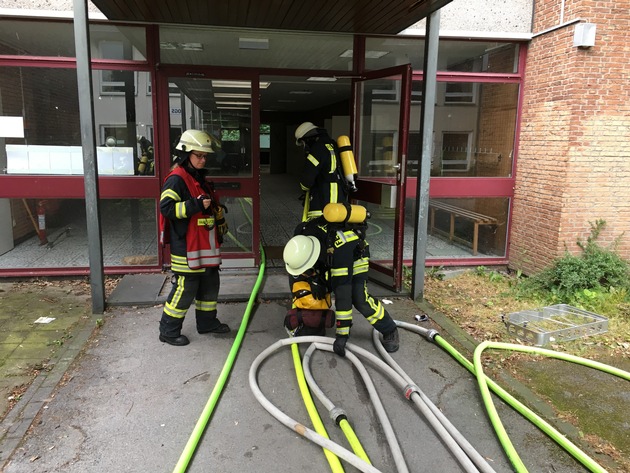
{"x": 409, "y": 390}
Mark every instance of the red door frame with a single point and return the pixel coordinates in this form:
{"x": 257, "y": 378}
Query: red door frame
{"x": 370, "y": 188}
{"x": 248, "y": 186}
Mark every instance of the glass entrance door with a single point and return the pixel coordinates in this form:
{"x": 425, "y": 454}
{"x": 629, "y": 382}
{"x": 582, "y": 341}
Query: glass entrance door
{"x": 381, "y": 124}
{"x": 224, "y": 109}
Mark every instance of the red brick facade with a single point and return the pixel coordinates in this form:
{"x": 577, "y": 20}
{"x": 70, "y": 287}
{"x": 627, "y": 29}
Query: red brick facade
{"x": 574, "y": 149}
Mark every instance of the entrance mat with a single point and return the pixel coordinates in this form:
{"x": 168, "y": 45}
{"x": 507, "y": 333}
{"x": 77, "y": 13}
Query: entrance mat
{"x": 138, "y": 289}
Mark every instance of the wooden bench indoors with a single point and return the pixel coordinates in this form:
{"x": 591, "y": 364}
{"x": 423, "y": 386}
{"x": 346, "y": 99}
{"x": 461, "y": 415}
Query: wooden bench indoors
{"x": 458, "y": 212}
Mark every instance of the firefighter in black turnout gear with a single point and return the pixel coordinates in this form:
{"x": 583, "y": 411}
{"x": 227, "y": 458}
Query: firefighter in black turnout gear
{"x": 192, "y": 221}
{"x": 322, "y": 178}
{"x": 340, "y": 251}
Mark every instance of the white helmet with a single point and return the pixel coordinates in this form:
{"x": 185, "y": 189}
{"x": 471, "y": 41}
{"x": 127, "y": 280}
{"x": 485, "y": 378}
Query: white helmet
{"x": 300, "y": 254}
{"x": 195, "y": 140}
{"x": 303, "y": 131}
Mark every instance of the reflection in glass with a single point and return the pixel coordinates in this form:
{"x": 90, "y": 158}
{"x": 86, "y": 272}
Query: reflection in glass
{"x": 239, "y": 219}
{"x": 473, "y": 133}
{"x": 56, "y": 39}
{"x": 36, "y": 38}
{"x": 262, "y": 48}
{"x": 461, "y": 228}
{"x": 221, "y": 108}
{"x": 453, "y": 55}
{"x": 380, "y": 233}
{"x": 128, "y": 225}
{"x": 380, "y": 110}
{"x": 477, "y": 56}
{"x": 45, "y": 101}
{"x": 123, "y": 115}
{"x": 381, "y": 53}
{"x": 118, "y": 42}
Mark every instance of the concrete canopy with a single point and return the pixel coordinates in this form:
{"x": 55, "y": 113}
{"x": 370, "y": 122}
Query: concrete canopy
{"x": 345, "y": 16}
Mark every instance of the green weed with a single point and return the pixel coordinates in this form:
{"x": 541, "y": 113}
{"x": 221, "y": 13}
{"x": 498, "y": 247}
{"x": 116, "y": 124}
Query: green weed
{"x": 596, "y": 279}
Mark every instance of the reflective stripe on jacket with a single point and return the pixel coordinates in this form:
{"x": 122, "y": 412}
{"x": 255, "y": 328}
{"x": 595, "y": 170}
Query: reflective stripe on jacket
{"x": 199, "y": 247}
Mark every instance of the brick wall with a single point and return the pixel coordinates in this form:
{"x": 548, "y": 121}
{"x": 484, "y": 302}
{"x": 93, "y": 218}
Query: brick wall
{"x": 574, "y": 149}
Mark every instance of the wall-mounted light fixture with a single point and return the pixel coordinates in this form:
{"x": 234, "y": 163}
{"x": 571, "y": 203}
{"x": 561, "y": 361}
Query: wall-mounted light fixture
{"x": 584, "y": 35}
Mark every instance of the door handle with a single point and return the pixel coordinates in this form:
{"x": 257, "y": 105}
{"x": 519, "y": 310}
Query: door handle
{"x": 396, "y": 166}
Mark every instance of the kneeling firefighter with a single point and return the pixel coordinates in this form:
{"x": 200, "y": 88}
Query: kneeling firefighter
{"x": 310, "y": 312}
{"x": 339, "y": 252}
{"x": 192, "y": 221}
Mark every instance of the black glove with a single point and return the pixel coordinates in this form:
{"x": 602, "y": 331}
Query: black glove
{"x": 318, "y": 290}
{"x": 202, "y": 209}
{"x": 339, "y": 346}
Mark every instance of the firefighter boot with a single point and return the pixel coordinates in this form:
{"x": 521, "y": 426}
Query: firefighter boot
{"x": 391, "y": 341}
{"x": 209, "y": 323}
{"x": 177, "y": 341}
{"x": 171, "y": 331}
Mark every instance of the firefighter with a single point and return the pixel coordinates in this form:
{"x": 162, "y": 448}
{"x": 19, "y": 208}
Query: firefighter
{"x": 196, "y": 221}
{"x": 343, "y": 255}
{"x": 322, "y": 178}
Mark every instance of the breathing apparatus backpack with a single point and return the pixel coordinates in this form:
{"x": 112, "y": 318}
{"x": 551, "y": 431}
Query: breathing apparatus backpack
{"x": 342, "y": 218}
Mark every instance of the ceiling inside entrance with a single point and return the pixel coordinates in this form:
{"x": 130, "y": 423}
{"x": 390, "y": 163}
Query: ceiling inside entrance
{"x": 342, "y": 16}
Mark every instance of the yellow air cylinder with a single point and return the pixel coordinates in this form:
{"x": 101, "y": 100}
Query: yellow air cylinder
{"x": 338, "y": 213}
{"x": 347, "y": 161}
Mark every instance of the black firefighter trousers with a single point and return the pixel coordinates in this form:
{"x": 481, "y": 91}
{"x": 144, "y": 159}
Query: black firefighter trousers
{"x": 203, "y": 288}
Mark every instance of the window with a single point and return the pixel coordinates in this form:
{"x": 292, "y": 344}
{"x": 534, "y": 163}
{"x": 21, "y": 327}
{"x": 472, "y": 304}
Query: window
{"x": 456, "y": 152}
{"x": 116, "y": 82}
{"x": 460, "y": 93}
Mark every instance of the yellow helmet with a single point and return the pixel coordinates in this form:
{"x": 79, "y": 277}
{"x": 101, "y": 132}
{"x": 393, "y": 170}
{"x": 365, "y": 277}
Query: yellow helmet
{"x": 195, "y": 140}
{"x": 300, "y": 254}
{"x": 303, "y": 131}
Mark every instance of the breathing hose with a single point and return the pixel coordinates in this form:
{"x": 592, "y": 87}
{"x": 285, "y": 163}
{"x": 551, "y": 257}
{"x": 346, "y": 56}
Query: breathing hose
{"x": 333, "y": 460}
{"x": 197, "y": 432}
{"x": 433, "y": 335}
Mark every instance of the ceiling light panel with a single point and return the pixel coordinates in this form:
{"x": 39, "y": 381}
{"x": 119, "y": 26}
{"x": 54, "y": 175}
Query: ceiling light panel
{"x": 253, "y": 43}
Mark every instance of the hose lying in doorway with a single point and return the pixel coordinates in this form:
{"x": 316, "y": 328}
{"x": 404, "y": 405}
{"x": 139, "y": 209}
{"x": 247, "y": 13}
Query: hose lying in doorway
{"x": 433, "y": 336}
{"x": 410, "y": 392}
{"x": 202, "y": 422}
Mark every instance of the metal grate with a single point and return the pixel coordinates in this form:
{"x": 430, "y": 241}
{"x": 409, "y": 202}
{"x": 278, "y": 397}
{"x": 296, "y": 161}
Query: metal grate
{"x": 552, "y": 324}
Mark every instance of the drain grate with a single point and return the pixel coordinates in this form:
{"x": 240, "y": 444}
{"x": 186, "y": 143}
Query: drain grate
{"x": 552, "y": 324}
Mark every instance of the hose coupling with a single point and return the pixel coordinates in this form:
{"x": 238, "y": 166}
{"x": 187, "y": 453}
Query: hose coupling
{"x": 337, "y": 414}
{"x": 410, "y": 389}
{"x": 431, "y": 334}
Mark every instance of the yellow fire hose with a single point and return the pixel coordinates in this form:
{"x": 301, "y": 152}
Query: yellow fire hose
{"x": 333, "y": 460}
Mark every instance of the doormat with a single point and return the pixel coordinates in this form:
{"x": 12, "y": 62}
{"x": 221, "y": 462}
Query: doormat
{"x": 138, "y": 289}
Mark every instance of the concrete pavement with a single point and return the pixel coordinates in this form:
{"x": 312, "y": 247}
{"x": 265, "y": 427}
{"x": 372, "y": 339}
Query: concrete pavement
{"x": 129, "y": 403}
